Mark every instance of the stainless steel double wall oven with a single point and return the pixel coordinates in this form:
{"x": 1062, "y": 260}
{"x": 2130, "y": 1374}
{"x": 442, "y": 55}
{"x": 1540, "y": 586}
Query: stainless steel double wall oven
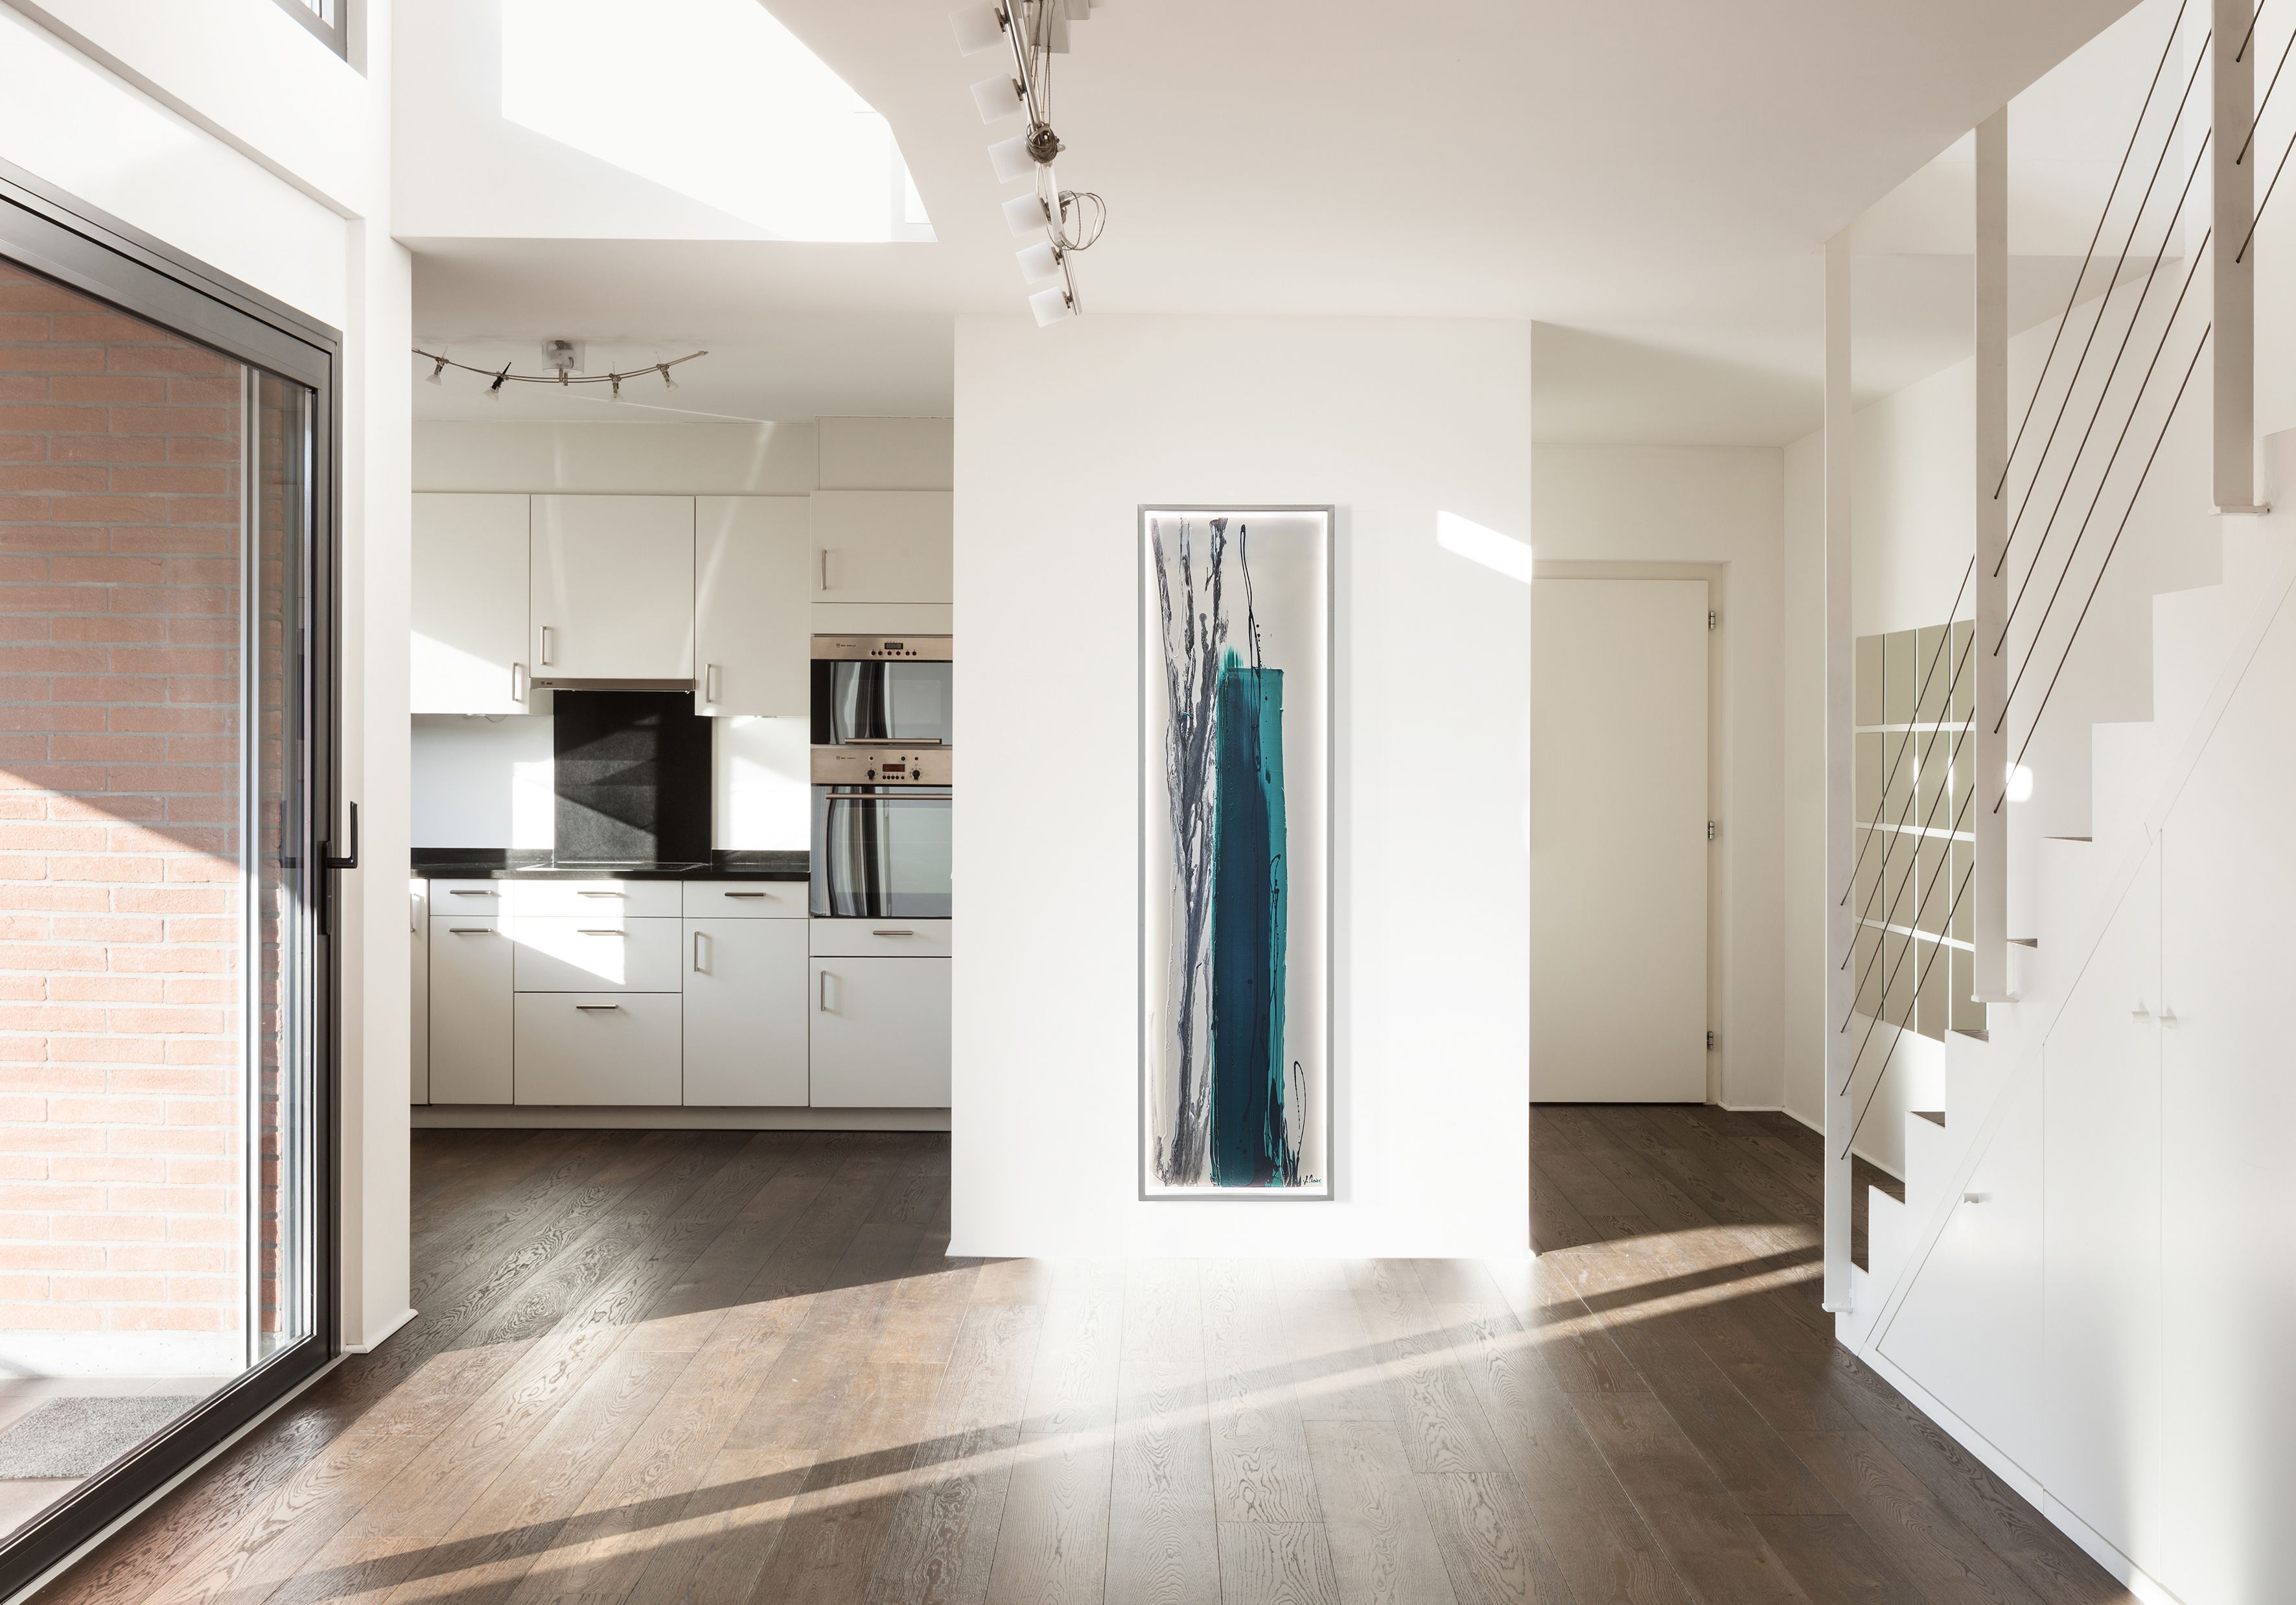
{"x": 881, "y": 776}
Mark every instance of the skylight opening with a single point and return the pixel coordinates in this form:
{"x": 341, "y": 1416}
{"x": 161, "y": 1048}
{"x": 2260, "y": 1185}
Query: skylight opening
{"x": 715, "y": 100}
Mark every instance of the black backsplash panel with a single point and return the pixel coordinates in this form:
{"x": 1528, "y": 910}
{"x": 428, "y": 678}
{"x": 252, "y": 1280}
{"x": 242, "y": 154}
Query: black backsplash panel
{"x": 633, "y": 776}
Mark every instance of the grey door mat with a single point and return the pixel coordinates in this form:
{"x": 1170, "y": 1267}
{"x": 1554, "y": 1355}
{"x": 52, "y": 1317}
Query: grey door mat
{"x": 79, "y": 1436}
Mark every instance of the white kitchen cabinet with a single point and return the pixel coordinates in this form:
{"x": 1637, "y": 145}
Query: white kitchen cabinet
{"x": 611, "y": 590}
{"x": 745, "y": 1012}
{"x": 598, "y": 951}
{"x": 751, "y": 614}
{"x": 597, "y": 1047}
{"x": 470, "y": 1010}
{"x": 885, "y": 938}
{"x": 418, "y": 991}
{"x": 597, "y": 900}
{"x": 881, "y": 1034}
{"x": 882, "y": 546}
{"x": 468, "y": 608}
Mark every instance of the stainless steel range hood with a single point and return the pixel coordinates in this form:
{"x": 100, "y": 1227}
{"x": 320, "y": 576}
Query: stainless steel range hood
{"x": 564, "y": 682}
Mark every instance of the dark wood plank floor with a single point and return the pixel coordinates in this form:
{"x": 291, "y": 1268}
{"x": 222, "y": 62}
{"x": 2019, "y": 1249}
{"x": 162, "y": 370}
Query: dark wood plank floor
{"x": 708, "y": 1367}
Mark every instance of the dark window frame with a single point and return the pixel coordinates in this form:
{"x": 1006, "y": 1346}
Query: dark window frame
{"x": 109, "y": 260}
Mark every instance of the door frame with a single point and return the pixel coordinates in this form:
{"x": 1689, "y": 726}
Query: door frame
{"x": 1716, "y": 576}
{"x": 109, "y": 260}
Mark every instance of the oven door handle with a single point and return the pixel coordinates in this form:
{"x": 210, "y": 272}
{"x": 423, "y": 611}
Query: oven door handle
{"x": 879, "y": 797}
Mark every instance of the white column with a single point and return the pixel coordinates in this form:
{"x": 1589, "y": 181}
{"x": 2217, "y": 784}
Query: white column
{"x": 2233, "y": 101}
{"x": 1989, "y": 810}
{"x": 1840, "y": 774}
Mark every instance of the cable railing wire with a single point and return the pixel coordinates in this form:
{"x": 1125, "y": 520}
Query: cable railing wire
{"x": 2104, "y": 305}
{"x": 1888, "y": 913}
{"x": 2258, "y": 119}
{"x": 2064, "y": 571}
{"x": 1940, "y": 938}
{"x": 2035, "y": 725}
{"x": 1866, "y": 910}
{"x": 1874, "y": 1092}
{"x": 2072, "y": 299}
{"x": 1927, "y": 675}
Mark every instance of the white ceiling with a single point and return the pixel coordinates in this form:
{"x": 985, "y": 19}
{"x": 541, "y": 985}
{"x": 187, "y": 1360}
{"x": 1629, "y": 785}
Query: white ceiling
{"x": 1650, "y": 184}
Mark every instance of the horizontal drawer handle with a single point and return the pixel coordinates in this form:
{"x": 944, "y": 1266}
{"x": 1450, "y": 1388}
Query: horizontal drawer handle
{"x": 601, "y": 894}
{"x": 470, "y": 930}
{"x": 581, "y": 931}
{"x": 597, "y": 1008}
{"x": 892, "y": 932}
{"x": 476, "y": 894}
{"x": 749, "y": 895}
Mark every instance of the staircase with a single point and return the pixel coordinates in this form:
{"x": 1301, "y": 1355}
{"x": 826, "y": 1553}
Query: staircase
{"x": 1976, "y": 1288}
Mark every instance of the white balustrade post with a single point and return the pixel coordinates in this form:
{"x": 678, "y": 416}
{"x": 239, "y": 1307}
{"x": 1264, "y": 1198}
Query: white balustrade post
{"x": 1988, "y": 809}
{"x": 1840, "y": 773}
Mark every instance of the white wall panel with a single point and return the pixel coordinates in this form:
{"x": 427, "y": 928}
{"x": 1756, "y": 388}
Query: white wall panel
{"x": 1059, "y": 441}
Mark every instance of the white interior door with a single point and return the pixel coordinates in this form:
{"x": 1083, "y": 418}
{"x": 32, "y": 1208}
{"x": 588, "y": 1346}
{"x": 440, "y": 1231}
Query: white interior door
{"x": 1618, "y": 841}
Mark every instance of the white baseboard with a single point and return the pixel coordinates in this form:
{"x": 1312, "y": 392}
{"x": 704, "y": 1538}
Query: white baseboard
{"x": 518, "y": 1117}
{"x": 379, "y": 1339}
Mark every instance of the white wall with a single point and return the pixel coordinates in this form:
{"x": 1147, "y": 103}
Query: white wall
{"x": 1707, "y": 505}
{"x": 1059, "y": 437}
{"x": 226, "y": 130}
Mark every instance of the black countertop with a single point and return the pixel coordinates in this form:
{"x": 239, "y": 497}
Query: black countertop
{"x": 498, "y": 863}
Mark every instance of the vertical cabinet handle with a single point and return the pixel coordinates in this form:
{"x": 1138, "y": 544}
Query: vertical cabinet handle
{"x": 821, "y": 994}
{"x": 825, "y": 568}
{"x": 709, "y": 684}
{"x": 545, "y": 645}
{"x": 518, "y": 678}
{"x": 414, "y": 913}
{"x": 698, "y": 936}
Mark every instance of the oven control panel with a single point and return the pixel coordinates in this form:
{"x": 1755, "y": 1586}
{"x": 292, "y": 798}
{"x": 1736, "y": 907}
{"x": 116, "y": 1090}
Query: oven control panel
{"x": 887, "y": 765}
{"x": 869, "y": 648}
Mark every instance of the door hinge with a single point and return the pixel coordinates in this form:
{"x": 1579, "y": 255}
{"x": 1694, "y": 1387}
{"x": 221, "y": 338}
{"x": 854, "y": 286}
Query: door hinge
{"x": 1710, "y": 618}
{"x": 1710, "y": 830}
{"x": 1709, "y": 1041}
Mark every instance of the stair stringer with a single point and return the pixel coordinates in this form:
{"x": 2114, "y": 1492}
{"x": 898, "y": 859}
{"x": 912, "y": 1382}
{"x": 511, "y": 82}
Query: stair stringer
{"x": 1879, "y": 1297}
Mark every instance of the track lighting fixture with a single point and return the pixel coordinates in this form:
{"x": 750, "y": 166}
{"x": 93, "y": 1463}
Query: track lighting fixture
{"x": 560, "y": 354}
{"x": 1067, "y": 220}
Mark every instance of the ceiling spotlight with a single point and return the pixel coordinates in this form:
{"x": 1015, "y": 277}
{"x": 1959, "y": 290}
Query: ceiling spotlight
{"x": 1011, "y": 158}
{"x": 494, "y": 390}
{"x": 979, "y": 28}
{"x": 1051, "y": 304}
{"x": 1038, "y": 262}
{"x": 667, "y": 382}
{"x": 998, "y": 98}
{"x": 617, "y": 380}
{"x": 439, "y": 367}
{"x": 1025, "y": 214}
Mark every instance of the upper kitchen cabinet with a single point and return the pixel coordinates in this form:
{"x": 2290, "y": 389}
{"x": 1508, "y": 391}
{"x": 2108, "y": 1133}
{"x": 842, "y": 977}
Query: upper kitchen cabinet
{"x": 751, "y": 623}
{"x": 611, "y": 588}
{"x": 467, "y": 654}
{"x": 882, "y": 546}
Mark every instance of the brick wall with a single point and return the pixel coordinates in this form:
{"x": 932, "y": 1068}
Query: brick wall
{"x": 120, "y": 1224}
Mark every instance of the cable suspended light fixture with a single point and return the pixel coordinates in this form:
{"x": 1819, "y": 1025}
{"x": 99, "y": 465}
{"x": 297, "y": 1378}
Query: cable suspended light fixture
{"x": 560, "y": 356}
{"x": 1067, "y": 220}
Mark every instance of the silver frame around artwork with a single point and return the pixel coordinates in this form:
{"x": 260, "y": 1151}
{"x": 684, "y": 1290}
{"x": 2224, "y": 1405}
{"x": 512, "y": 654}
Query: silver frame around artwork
{"x": 1273, "y": 1195}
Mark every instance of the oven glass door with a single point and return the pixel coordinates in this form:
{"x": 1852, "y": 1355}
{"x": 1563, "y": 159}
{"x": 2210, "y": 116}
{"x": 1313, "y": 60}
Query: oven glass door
{"x": 880, "y": 851}
{"x": 903, "y": 702}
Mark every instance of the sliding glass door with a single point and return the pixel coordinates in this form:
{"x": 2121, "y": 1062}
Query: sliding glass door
{"x": 166, "y": 974}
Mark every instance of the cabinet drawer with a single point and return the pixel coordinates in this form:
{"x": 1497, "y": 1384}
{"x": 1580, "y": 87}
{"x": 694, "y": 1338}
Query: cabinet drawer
{"x": 880, "y": 938}
{"x": 745, "y": 1012}
{"x": 626, "y": 899}
{"x": 588, "y": 952}
{"x": 747, "y": 899}
{"x": 477, "y": 899}
{"x": 596, "y": 1048}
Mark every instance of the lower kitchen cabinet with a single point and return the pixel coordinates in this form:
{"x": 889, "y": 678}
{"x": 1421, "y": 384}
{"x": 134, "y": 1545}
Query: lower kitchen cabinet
{"x": 881, "y": 1034}
{"x": 470, "y": 1011}
{"x": 596, "y": 1047}
{"x": 745, "y": 1012}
